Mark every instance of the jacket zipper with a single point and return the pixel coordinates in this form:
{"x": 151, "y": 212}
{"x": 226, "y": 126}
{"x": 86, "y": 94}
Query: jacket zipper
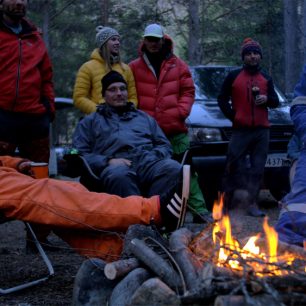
{"x": 18, "y": 75}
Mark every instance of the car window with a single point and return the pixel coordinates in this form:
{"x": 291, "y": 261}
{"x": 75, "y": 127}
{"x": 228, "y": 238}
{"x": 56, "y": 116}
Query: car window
{"x": 208, "y": 81}
{"x": 66, "y": 119}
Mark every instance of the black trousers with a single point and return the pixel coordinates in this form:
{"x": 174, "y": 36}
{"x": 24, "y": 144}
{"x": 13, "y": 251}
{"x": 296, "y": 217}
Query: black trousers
{"x": 246, "y": 158}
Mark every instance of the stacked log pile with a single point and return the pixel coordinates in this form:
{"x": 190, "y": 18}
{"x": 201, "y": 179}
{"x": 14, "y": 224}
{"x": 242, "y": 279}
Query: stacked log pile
{"x": 156, "y": 271}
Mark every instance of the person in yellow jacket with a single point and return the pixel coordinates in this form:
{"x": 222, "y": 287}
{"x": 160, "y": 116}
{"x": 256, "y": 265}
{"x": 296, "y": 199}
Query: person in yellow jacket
{"x": 106, "y": 57}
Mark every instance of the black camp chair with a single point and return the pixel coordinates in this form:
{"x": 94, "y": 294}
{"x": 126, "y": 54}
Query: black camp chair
{"x": 77, "y": 166}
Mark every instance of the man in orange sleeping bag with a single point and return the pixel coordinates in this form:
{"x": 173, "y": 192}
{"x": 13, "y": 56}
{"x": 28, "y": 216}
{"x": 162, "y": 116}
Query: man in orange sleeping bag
{"x": 92, "y": 223}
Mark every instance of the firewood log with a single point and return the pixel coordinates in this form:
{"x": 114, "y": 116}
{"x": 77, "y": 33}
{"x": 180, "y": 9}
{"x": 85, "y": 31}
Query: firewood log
{"x": 91, "y": 287}
{"x": 120, "y": 268}
{"x": 156, "y": 263}
{"x": 141, "y": 232}
{"x": 206, "y": 294}
{"x": 125, "y": 289}
{"x": 191, "y": 267}
{"x": 154, "y": 292}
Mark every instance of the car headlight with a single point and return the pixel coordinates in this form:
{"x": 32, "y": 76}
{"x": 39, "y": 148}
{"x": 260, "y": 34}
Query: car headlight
{"x": 204, "y": 134}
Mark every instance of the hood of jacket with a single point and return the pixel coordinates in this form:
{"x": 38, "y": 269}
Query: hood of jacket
{"x": 95, "y": 55}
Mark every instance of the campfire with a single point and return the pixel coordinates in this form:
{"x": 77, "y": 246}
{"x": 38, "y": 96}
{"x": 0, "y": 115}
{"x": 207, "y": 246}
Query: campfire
{"x": 249, "y": 258}
{"x": 207, "y": 268}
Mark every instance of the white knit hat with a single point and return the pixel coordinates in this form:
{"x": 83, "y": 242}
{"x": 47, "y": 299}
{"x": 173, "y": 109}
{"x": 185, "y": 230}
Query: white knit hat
{"x": 154, "y": 30}
{"x": 104, "y": 34}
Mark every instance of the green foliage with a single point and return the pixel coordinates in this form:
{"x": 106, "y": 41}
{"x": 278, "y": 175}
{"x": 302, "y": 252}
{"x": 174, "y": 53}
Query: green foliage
{"x": 224, "y": 25}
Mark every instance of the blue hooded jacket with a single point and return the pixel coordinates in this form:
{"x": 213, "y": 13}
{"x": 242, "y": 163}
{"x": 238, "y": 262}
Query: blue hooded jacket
{"x": 291, "y": 226}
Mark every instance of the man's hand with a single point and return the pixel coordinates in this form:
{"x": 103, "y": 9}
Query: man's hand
{"x": 120, "y": 161}
{"x": 261, "y": 99}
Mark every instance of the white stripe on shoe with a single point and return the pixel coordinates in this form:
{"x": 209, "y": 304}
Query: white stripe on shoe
{"x": 173, "y": 211}
{"x": 176, "y": 202}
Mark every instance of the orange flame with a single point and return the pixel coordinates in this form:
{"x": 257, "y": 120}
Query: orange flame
{"x": 230, "y": 250}
{"x": 218, "y": 208}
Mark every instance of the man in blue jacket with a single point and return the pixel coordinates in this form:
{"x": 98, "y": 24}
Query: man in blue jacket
{"x": 291, "y": 226}
{"x": 126, "y": 148}
{"x": 251, "y": 92}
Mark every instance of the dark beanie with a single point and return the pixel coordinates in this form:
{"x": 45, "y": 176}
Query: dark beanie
{"x": 250, "y": 45}
{"x": 110, "y": 78}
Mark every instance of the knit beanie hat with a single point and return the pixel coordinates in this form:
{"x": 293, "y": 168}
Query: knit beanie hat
{"x": 250, "y": 45}
{"x": 104, "y": 34}
{"x": 110, "y": 78}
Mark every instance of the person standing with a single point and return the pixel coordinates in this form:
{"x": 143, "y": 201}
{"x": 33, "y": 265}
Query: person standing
{"x": 27, "y": 94}
{"x": 251, "y": 92}
{"x": 106, "y": 57}
{"x": 165, "y": 90}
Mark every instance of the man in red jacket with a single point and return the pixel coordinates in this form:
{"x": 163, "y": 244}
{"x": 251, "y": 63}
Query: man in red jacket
{"x": 26, "y": 95}
{"x": 251, "y": 92}
{"x": 26, "y": 88}
{"x": 165, "y": 90}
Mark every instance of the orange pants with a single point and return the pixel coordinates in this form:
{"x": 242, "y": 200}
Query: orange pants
{"x": 90, "y": 222}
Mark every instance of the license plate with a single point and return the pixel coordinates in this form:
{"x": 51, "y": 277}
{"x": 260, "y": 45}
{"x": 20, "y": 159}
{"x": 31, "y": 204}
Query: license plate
{"x": 277, "y": 160}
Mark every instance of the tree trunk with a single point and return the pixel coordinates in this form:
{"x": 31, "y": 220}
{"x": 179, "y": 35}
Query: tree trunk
{"x": 304, "y": 31}
{"x": 46, "y": 21}
{"x": 194, "y": 48}
{"x": 292, "y": 62}
{"x": 104, "y": 12}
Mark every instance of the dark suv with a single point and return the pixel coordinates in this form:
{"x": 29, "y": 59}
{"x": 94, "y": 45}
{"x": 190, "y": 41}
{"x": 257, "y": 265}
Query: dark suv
{"x": 210, "y": 131}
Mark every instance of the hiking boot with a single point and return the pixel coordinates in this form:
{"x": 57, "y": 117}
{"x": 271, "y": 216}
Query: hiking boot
{"x": 173, "y": 206}
{"x": 253, "y": 211}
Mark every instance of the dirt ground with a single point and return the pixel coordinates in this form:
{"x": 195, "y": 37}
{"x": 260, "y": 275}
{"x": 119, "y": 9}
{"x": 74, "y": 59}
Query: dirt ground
{"x": 16, "y": 265}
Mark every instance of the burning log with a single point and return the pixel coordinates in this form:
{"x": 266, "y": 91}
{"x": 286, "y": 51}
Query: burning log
{"x": 116, "y": 269}
{"x": 123, "y": 292}
{"x": 202, "y": 245}
{"x": 154, "y": 292}
{"x": 188, "y": 262}
{"x": 156, "y": 263}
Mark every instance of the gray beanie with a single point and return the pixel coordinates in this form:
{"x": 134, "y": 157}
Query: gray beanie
{"x": 104, "y": 34}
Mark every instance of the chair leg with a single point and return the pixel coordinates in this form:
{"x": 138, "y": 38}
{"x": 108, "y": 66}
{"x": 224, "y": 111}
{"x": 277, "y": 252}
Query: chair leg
{"x": 45, "y": 259}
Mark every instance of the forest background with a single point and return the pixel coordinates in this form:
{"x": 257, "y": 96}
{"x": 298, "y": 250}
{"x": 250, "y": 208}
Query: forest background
{"x": 204, "y": 32}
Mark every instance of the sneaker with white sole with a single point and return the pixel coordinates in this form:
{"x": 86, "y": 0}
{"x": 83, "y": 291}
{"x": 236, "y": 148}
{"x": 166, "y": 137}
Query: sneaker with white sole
{"x": 173, "y": 207}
